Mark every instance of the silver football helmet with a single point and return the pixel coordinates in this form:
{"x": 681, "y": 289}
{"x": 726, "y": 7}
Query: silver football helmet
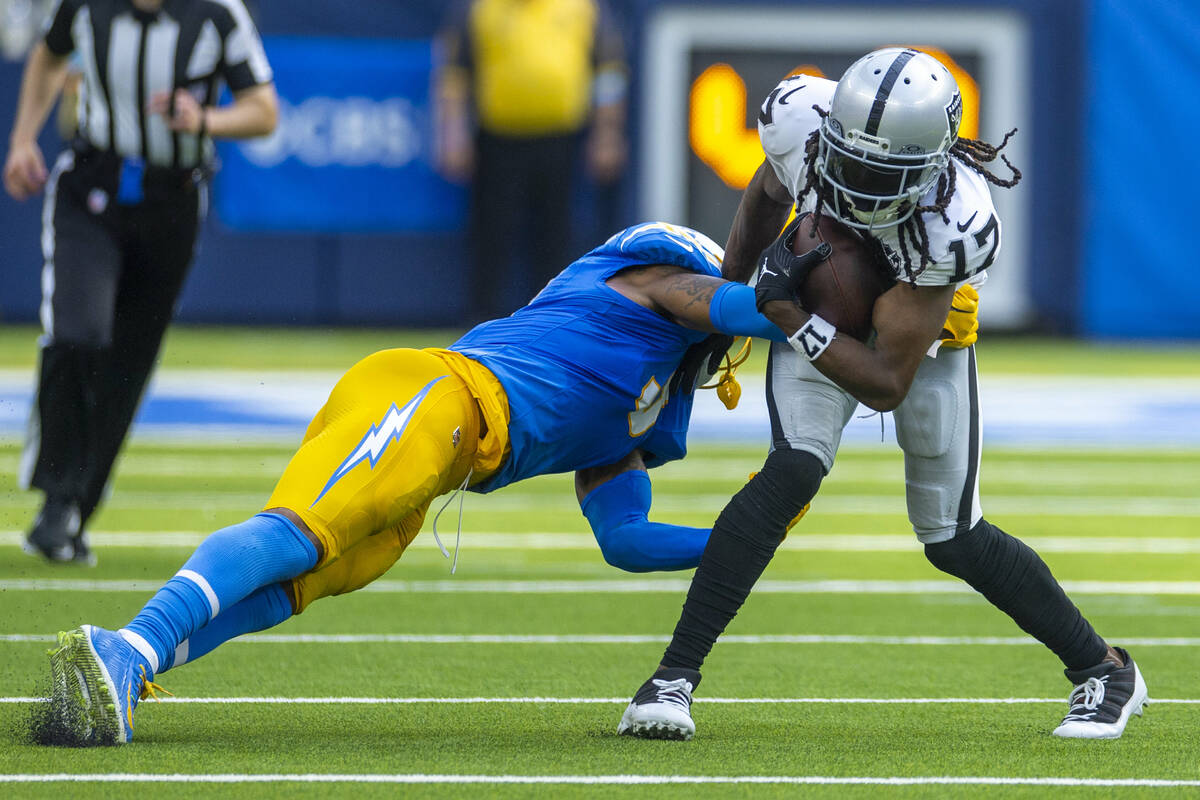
{"x": 892, "y": 121}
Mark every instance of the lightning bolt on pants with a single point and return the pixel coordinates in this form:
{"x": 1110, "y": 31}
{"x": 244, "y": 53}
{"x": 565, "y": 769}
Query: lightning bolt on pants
{"x": 399, "y": 429}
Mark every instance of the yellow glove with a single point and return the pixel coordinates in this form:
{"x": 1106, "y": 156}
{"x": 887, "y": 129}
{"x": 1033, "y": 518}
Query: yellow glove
{"x": 962, "y": 324}
{"x": 796, "y": 518}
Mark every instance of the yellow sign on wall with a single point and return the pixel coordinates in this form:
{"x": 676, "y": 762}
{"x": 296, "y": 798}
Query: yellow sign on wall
{"x": 717, "y": 119}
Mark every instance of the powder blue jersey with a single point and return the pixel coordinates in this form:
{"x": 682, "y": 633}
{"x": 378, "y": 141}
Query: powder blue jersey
{"x": 585, "y": 368}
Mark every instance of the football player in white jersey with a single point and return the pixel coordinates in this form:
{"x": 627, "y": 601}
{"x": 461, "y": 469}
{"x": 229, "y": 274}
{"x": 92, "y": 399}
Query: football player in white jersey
{"x": 879, "y": 149}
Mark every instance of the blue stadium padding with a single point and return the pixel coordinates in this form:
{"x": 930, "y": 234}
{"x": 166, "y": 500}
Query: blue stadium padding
{"x": 1101, "y": 101}
{"x": 353, "y": 152}
{"x": 1140, "y": 276}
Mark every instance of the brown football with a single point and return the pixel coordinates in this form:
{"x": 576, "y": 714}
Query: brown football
{"x": 843, "y": 288}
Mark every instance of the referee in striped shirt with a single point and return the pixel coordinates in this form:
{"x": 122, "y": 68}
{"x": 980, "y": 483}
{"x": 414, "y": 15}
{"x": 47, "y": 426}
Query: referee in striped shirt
{"x": 120, "y": 217}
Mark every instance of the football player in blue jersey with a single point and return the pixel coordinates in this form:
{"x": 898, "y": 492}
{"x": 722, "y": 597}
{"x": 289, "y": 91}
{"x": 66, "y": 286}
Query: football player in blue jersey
{"x": 576, "y": 380}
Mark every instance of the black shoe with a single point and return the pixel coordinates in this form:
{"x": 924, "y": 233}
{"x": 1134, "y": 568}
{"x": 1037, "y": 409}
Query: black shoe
{"x": 1104, "y": 698}
{"x": 661, "y": 709}
{"x": 83, "y": 550}
{"x": 54, "y": 531}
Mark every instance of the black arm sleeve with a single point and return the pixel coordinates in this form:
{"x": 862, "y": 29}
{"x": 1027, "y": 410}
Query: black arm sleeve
{"x": 58, "y": 27}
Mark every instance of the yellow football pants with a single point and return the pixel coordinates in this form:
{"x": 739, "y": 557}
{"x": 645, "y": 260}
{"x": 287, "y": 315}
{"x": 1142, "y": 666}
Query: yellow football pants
{"x": 399, "y": 428}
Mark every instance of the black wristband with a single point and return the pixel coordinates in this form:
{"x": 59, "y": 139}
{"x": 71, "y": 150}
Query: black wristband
{"x": 200, "y": 134}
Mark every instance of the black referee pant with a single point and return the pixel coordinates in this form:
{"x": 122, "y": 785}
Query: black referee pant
{"x": 520, "y": 218}
{"x": 111, "y": 276}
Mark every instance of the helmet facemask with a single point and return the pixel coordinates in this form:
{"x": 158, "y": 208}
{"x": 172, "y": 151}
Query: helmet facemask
{"x": 872, "y": 187}
{"x": 887, "y": 136}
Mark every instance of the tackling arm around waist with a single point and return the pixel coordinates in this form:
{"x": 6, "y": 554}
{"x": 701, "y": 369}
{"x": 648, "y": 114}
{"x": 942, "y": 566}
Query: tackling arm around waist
{"x": 733, "y": 311}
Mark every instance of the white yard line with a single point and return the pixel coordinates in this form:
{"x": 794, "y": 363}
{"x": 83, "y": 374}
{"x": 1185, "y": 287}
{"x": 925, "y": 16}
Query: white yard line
{"x": 142, "y": 539}
{"x": 404, "y": 701}
{"x": 515, "y": 502}
{"x": 1053, "y": 470}
{"x": 889, "y": 503}
{"x": 637, "y": 586}
{"x": 807, "y": 542}
{"x": 626, "y": 639}
{"x": 418, "y": 778}
{"x": 684, "y": 476}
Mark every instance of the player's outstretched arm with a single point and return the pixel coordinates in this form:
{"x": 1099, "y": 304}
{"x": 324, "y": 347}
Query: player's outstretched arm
{"x": 700, "y": 302}
{"x": 907, "y": 319}
{"x": 761, "y": 214}
{"x": 615, "y": 498}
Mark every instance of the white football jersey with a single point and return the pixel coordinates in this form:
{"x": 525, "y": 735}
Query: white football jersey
{"x": 961, "y": 250}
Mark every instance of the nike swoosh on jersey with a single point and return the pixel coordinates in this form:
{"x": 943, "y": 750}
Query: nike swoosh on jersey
{"x": 783, "y": 97}
{"x": 962, "y": 226}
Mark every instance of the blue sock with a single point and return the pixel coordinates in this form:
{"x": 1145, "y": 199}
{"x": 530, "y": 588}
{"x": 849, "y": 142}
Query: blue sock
{"x": 617, "y": 511}
{"x": 226, "y": 567}
{"x": 264, "y": 609}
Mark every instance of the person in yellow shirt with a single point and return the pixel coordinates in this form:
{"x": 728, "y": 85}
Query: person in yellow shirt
{"x": 523, "y": 84}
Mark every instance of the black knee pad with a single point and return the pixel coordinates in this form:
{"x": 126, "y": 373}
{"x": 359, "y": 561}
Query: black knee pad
{"x": 960, "y": 556}
{"x": 796, "y": 472}
{"x": 761, "y": 511}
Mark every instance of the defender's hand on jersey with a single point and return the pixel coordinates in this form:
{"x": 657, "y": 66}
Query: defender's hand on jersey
{"x": 781, "y": 272}
{"x": 699, "y": 363}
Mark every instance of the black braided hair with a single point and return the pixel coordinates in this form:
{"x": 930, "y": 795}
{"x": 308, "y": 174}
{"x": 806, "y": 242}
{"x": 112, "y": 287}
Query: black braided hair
{"x": 913, "y": 237}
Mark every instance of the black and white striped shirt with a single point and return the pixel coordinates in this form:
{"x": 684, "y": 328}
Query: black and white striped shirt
{"x": 126, "y": 55}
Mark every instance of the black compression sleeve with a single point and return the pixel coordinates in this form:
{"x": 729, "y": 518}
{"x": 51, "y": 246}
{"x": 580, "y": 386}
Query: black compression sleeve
{"x": 1015, "y": 580}
{"x": 742, "y": 543}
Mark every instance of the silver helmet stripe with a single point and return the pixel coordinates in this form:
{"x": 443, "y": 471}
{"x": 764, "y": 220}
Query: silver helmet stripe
{"x": 887, "y": 136}
{"x": 885, "y": 90}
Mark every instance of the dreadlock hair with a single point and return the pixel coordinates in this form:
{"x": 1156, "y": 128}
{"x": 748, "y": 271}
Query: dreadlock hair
{"x": 973, "y": 153}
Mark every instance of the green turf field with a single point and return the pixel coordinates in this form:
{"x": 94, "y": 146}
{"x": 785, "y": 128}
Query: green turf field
{"x": 854, "y": 664}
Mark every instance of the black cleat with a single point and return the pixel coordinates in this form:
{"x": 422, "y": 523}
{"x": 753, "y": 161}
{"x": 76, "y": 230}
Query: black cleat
{"x": 83, "y": 550}
{"x": 53, "y": 533}
{"x": 661, "y": 709}
{"x": 1104, "y": 698}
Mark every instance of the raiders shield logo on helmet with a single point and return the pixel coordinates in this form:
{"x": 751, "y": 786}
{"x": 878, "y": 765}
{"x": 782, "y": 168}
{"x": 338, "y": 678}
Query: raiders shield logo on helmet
{"x": 954, "y": 112}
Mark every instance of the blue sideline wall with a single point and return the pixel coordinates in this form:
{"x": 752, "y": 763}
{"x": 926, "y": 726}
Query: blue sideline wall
{"x": 1142, "y": 198}
{"x": 1096, "y": 120}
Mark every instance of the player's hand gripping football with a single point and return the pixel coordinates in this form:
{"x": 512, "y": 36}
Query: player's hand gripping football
{"x": 781, "y": 272}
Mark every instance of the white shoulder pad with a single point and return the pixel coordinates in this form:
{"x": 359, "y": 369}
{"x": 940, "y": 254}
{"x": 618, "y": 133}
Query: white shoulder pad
{"x": 785, "y": 122}
{"x": 963, "y": 248}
